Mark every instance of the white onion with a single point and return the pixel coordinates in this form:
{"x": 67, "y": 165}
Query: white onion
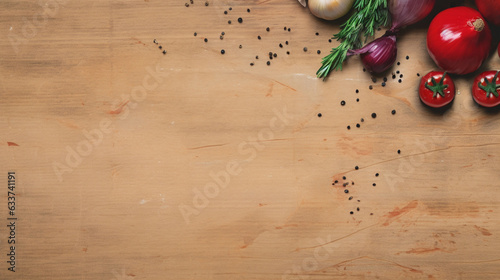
{"x": 330, "y": 9}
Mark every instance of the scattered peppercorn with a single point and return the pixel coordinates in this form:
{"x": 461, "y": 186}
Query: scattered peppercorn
{"x": 287, "y": 52}
{"x": 240, "y": 20}
{"x": 268, "y": 29}
{"x": 317, "y": 34}
{"x": 418, "y": 74}
{"x": 376, "y": 174}
{"x": 346, "y": 191}
{"x": 229, "y": 22}
{"x": 206, "y": 4}
{"x": 258, "y": 37}
{"x": 248, "y": 10}
{"x": 305, "y": 49}
{"x": 289, "y": 29}
{"x": 225, "y": 12}
{"x": 154, "y": 41}
{"x": 222, "y": 51}
{"x": 223, "y": 33}
{"x": 286, "y": 42}
{"x": 400, "y": 81}
{"x": 160, "y": 47}
{"x": 383, "y": 84}
{"x": 319, "y": 115}
{"x": 350, "y": 198}
{"x": 399, "y": 63}
{"x": 357, "y": 99}
{"x": 358, "y": 125}
{"x": 318, "y": 52}
{"x": 356, "y": 167}
{"x": 187, "y": 5}
{"x": 268, "y": 63}
{"x": 357, "y": 209}
{"x": 256, "y": 57}
{"x": 370, "y": 87}
{"x": 357, "y": 91}
{"x": 281, "y": 45}
{"x": 206, "y": 40}
{"x": 195, "y": 34}
{"x": 374, "y": 184}
{"x": 343, "y": 178}
{"x": 221, "y": 37}
{"x": 251, "y": 64}
{"x": 164, "y": 52}
{"x": 407, "y": 57}
{"x": 399, "y": 151}
{"x": 342, "y": 102}
{"x": 348, "y": 127}
{"x": 329, "y": 40}
{"x": 374, "y": 115}
{"x": 230, "y": 8}
{"x": 393, "y": 112}
{"x": 351, "y": 212}
{"x": 401, "y": 76}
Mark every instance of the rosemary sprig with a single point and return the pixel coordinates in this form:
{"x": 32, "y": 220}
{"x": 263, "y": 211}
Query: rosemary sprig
{"x": 367, "y": 17}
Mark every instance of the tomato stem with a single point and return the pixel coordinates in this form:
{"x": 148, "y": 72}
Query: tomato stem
{"x": 437, "y": 88}
{"x": 490, "y": 87}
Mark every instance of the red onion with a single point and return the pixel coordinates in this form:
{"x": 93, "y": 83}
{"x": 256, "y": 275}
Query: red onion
{"x": 406, "y": 12}
{"x": 379, "y": 55}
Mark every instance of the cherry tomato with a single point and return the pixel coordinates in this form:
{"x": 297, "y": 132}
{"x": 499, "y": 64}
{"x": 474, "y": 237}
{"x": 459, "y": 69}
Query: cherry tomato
{"x": 459, "y": 40}
{"x": 486, "y": 89}
{"x": 436, "y": 91}
{"x": 490, "y": 9}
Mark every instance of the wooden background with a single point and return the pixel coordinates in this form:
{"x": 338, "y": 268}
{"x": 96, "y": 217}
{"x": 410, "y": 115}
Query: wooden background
{"x": 141, "y": 200}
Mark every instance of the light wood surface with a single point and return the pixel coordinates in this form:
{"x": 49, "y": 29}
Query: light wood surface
{"x": 132, "y": 204}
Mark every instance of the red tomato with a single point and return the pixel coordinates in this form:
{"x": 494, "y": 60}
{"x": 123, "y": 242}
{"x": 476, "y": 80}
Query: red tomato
{"x": 436, "y": 91}
{"x": 490, "y": 9}
{"x": 486, "y": 89}
{"x": 459, "y": 40}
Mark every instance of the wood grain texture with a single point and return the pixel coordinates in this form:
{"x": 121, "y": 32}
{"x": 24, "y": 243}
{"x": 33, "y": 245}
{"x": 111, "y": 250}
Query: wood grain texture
{"x": 132, "y": 164}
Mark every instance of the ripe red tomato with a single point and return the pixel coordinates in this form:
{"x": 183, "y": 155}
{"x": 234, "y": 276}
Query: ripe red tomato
{"x": 459, "y": 40}
{"x": 486, "y": 89}
{"x": 436, "y": 91}
{"x": 490, "y": 9}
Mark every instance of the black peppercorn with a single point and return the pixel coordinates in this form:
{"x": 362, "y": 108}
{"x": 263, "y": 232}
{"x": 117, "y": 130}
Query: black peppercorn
{"x": 393, "y": 112}
{"x": 240, "y": 20}
{"x": 268, "y": 29}
{"x": 222, "y": 51}
{"x": 374, "y": 115}
{"x": 268, "y": 63}
{"x": 342, "y": 102}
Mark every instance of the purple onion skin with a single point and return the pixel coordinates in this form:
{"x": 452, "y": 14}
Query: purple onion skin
{"x": 406, "y": 12}
{"x": 379, "y": 55}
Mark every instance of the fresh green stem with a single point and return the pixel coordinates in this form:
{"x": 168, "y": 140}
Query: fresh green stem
{"x": 368, "y": 15}
{"x": 490, "y": 87}
{"x": 437, "y": 88}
